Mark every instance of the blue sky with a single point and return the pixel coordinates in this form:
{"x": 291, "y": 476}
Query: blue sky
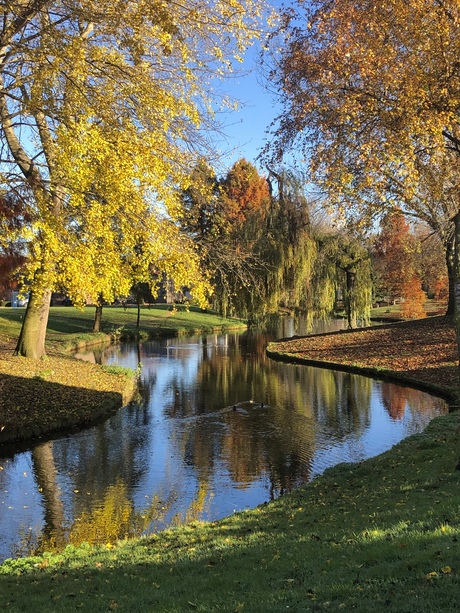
{"x": 245, "y": 129}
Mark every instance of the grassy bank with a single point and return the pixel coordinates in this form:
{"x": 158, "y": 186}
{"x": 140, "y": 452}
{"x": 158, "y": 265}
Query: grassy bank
{"x": 380, "y": 536}
{"x": 68, "y": 327}
{"x": 40, "y": 397}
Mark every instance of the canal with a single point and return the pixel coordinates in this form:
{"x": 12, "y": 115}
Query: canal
{"x": 218, "y": 428}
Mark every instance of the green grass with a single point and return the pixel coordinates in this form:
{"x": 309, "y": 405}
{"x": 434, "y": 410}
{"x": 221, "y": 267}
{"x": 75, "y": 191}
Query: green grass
{"x": 68, "y": 327}
{"x": 394, "y": 311}
{"x": 381, "y": 536}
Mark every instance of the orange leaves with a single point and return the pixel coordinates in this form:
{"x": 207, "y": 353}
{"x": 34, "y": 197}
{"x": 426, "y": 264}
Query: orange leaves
{"x": 396, "y": 264}
{"x": 245, "y": 192}
{"x": 369, "y": 90}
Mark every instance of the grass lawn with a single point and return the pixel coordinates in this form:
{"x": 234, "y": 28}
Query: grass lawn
{"x": 378, "y": 536}
{"x": 68, "y": 327}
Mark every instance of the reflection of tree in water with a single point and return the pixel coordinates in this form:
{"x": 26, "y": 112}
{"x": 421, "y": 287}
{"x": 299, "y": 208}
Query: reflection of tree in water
{"x": 114, "y": 518}
{"x": 100, "y": 467}
{"x": 241, "y": 436}
{"x": 107, "y": 452}
{"x": 46, "y": 476}
{"x": 106, "y": 521}
{"x": 284, "y": 414}
{"x": 396, "y": 399}
{"x": 297, "y": 397}
{"x": 341, "y": 401}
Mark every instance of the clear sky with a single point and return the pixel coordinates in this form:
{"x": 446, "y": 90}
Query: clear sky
{"x": 245, "y": 129}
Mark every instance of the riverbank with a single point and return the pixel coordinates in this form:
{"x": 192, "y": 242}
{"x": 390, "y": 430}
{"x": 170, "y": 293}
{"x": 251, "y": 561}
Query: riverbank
{"x": 421, "y": 353}
{"x": 40, "y": 398}
{"x": 381, "y": 535}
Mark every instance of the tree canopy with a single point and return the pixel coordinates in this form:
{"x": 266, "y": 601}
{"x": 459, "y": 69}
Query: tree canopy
{"x": 371, "y": 98}
{"x": 102, "y": 106}
{"x": 266, "y": 246}
{"x": 371, "y": 91}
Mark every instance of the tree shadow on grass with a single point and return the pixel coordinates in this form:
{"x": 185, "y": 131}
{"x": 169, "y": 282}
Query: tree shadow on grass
{"x": 280, "y": 558}
{"x": 380, "y": 535}
{"x": 34, "y": 407}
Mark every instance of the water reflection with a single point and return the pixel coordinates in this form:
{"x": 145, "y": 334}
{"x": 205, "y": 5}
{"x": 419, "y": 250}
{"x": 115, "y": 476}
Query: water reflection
{"x": 221, "y": 428}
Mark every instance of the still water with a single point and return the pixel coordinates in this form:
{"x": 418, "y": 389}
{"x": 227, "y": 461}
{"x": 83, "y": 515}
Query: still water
{"x": 219, "y": 428}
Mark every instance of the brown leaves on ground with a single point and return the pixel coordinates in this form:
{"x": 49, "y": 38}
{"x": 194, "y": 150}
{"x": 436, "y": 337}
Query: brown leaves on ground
{"x": 41, "y": 396}
{"x": 424, "y": 350}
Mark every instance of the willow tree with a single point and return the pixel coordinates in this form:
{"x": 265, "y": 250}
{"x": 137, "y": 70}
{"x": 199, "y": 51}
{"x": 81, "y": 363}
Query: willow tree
{"x": 101, "y": 105}
{"x": 314, "y": 263}
{"x": 293, "y": 250}
{"x": 371, "y": 93}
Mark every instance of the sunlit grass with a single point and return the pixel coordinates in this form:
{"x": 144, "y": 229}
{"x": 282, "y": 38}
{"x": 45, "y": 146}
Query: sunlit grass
{"x": 69, "y": 327}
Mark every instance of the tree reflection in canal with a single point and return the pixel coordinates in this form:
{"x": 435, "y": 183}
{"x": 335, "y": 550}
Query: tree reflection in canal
{"x": 220, "y": 428}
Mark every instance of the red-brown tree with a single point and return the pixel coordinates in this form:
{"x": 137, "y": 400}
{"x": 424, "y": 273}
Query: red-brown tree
{"x": 396, "y": 263}
{"x": 13, "y": 217}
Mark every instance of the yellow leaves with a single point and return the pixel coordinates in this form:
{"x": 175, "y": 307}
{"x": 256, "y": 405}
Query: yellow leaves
{"x": 115, "y": 95}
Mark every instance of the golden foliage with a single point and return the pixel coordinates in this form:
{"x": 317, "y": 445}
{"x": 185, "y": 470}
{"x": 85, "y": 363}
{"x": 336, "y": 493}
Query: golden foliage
{"x": 371, "y": 93}
{"x": 114, "y": 97}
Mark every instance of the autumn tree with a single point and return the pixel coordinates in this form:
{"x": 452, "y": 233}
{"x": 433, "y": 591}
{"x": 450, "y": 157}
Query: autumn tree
{"x": 267, "y": 246}
{"x": 371, "y": 96}
{"x": 227, "y": 220}
{"x": 101, "y": 106}
{"x": 396, "y": 262}
{"x": 245, "y": 193}
{"x": 291, "y": 251}
{"x": 316, "y": 263}
{"x": 13, "y": 220}
{"x": 245, "y": 200}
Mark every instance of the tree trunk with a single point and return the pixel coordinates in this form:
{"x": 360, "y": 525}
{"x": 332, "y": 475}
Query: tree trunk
{"x": 457, "y": 278}
{"x": 138, "y": 314}
{"x": 98, "y": 319}
{"x": 450, "y": 261}
{"x": 31, "y": 342}
{"x": 349, "y": 298}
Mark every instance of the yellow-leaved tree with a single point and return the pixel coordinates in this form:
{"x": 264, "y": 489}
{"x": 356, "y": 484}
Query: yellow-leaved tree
{"x": 371, "y": 95}
{"x": 103, "y": 106}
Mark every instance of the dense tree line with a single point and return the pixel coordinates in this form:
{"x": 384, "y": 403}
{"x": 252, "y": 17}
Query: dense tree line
{"x": 268, "y": 246}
